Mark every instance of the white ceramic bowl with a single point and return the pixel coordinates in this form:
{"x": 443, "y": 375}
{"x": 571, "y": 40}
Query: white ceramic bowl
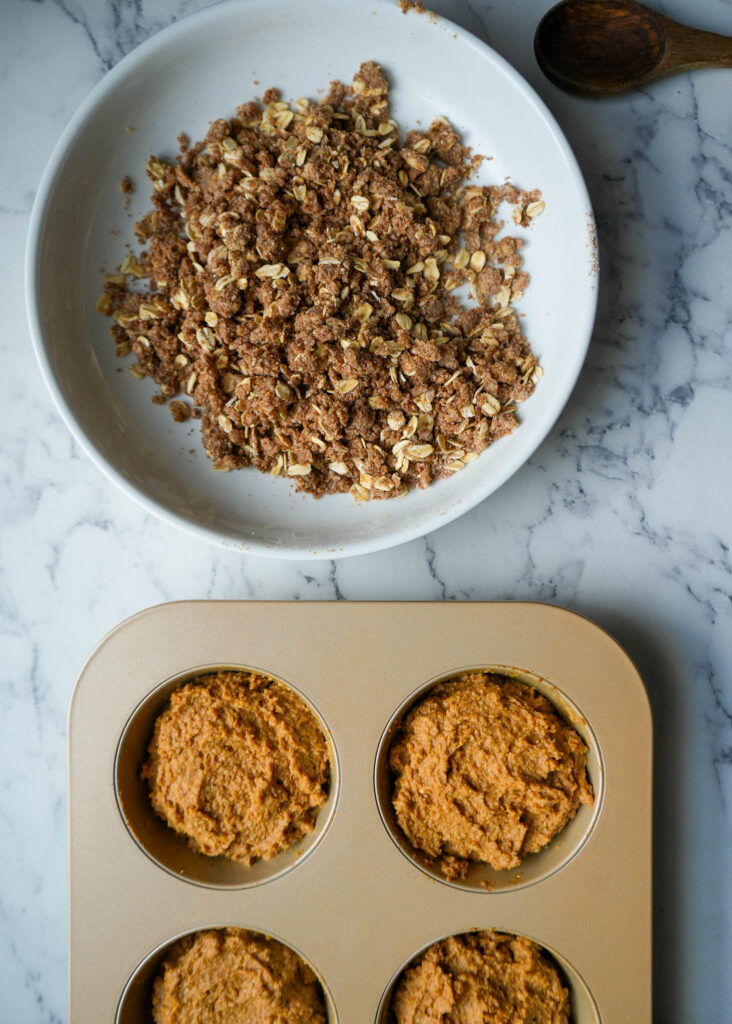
{"x": 199, "y": 69}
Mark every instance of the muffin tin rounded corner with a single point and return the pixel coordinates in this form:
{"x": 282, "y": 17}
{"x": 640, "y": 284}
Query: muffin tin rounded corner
{"x": 536, "y": 867}
{"x": 584, "y": 1006}
{"x": 135, "y": 1002}
{"x": 168, "y": 849}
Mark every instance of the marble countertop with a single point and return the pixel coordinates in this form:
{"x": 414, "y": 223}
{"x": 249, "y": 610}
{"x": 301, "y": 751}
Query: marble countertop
{"x": 623, "y": 514}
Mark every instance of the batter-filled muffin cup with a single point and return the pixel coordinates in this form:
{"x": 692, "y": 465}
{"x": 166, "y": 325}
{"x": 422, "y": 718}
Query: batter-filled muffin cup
{"x": 222, "y": 975}
{"x": 481, "y": 975}
{"x": 226, "y": 777}
{"x": 228, "y": 975}
{"x": 478, "y": 775}
{"x": 239, "y": 765}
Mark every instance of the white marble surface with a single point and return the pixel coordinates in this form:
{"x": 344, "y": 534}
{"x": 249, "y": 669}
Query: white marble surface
{"x": 623, "y": 514}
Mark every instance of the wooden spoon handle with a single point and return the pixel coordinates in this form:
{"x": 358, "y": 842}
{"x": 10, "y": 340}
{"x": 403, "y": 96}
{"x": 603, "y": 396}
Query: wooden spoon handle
{"x": 690, "y": 48}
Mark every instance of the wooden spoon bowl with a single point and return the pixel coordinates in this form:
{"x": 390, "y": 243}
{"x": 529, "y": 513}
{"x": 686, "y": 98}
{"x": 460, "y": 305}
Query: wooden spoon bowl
{"x": 600, "y": 47}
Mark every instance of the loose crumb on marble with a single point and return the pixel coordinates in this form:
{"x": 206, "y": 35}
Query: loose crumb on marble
{"x": 592, "y": 246}
{"x": 419, "y": 8}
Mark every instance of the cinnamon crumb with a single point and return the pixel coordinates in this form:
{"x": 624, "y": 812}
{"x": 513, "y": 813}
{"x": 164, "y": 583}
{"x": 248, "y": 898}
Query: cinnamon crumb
{"x": 302, "y": 265}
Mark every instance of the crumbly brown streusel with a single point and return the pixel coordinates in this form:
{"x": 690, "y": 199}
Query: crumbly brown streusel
{"x": 302, "y": 263}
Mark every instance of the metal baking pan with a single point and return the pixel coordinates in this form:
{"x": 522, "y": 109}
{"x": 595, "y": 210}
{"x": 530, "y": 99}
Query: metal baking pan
{"x": 352, "y": 898}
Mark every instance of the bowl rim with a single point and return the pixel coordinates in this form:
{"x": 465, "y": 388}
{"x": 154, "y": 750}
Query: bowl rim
{"x": 443, "y": 513}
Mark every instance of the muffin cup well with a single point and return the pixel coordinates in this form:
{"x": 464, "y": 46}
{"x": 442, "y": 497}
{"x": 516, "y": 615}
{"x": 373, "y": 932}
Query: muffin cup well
{"x": 584, "y": 1007}
{"x": 135, "y": 1004}
{"x": 169, "y": 849}
{"x": 536, "y": 866}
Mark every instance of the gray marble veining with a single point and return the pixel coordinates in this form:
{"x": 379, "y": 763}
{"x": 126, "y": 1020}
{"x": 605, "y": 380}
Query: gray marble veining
{"x": 623, "y": 514}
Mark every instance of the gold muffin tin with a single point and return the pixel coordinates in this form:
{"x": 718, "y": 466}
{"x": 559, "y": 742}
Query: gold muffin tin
{"x": 352, "y": 898}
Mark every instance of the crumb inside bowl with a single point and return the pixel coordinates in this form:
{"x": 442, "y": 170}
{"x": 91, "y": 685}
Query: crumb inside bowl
{"x": 81, "y": 210}
{"x": 227, "y": 778}
{"x": 302, "y": 264}
{"x": 489, "y": 779}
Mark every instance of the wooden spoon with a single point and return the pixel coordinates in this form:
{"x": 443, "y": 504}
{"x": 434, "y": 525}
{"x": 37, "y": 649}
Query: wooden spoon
{"x": 599, "y": 47}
